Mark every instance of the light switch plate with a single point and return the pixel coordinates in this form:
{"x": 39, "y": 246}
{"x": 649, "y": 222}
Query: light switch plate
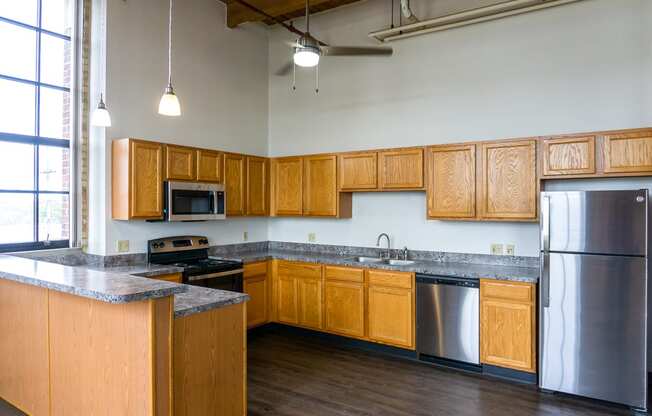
{"x": 245, "y": 236}
{"x": 312, "y": 237}
{"x": 497, "y": 249}
{"x": 509, "y": 249}
{"x": 123, "y": 246}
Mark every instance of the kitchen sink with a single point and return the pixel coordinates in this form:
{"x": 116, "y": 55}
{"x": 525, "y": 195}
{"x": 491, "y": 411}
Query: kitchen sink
{"x": 400, "y": 262}
{"x": 377, "y": 260}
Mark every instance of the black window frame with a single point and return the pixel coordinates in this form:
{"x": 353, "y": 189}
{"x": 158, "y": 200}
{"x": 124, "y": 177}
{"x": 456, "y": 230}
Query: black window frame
{"x": 37, "y": 140}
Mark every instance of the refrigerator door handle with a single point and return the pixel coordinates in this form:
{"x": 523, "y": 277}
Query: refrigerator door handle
{"x": 545, "y": 278}
{"x": 545, "y": 223}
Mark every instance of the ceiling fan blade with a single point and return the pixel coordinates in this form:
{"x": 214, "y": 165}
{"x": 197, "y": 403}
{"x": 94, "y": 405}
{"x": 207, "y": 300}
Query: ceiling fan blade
{"x": 357, "y": 51}
{"x": 285, "y": 69}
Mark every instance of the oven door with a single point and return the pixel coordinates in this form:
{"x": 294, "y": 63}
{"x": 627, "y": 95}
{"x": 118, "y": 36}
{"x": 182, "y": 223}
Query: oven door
{"x": 229, "y": 280}
{"x": 187, "y": 201}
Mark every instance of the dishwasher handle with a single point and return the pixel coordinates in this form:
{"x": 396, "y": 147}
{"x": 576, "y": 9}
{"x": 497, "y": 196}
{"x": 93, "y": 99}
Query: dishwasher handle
{"x": 445, "y": 280}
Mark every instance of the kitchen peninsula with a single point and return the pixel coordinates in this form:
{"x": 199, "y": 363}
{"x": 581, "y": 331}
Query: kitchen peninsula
{"x": 83, "y": 341}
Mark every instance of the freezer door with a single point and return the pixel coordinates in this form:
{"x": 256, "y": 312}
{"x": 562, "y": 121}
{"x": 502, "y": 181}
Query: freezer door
{"x": 599, "y": 222}
{"x": 593, "y": 334}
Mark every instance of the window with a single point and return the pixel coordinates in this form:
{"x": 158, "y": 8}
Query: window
{"x": 36, "y": 125}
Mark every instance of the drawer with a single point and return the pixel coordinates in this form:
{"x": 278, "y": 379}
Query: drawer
{"x": 347, "y": 274}
{"x": 390, "y": 279}
{"x": 295, "y": 269}
{"x": 172, "y": 277}
{"x": 255, "y": 269}
{"x": 517, "y": 291}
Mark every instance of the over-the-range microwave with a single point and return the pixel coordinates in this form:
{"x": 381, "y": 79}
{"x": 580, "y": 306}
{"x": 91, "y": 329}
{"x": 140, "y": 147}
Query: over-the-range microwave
{"x": 193, "y": 201}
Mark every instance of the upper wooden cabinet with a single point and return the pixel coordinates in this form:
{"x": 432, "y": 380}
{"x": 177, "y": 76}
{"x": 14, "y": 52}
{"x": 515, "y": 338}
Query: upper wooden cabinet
{"x": 137, "y": 179}
{"x": 569, "y": 156}
{"x": 180, "y": 163}
{"x": 257, "y": 186}
{"x": 320, "y": 186}
{"x": 209, "y": 166}
{"x": 358, "y": 171}
{"x": 288, "y": 185}
{"x": 451, "y": 181}
{"x": 509, "y": 180}
{"x": 628, "y": 152}
{"x": 235, "y": 184}
{"x": 400, "y": 169}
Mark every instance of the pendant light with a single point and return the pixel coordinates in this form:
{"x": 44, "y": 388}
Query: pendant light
{"x": 307, "y": 52}
{"x": 169, "y": 105}
{"x": 101, "y": 116}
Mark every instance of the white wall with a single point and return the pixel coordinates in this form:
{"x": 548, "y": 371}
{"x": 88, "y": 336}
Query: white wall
{"x": 220, "y": 76}
{"x": 574, "y": 68}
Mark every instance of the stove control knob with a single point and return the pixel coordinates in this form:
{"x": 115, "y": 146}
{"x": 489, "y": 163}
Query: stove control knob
{"x": 203, "y": 241}
{"x": 161, "y": 245}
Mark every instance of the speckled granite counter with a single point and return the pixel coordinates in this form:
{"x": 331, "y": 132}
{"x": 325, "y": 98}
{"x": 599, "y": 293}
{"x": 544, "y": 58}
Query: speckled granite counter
{"x": 106, "y": 286}
{"x": 200, "y": 299}
{"x": 440, "y": 268}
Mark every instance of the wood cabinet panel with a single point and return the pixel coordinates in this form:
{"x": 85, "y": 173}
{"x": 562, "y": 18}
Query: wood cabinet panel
{"x": 509, "y": 180}
{"x": 569, "y": 156}
{"x": 172, "y": 277}
{"x": 451, "y": 181}
{"x": 255, "y": 269}
{"x": 235, "y": 184}
{"x": 257, "y": 186}
{"x": 288, "y": 186}
{"x": 358, "y": 171}
{"x": 256, "y": 288}
{"x": 180, "y": 163}
{"x": 209, "y": 166}
{"x": 628, "y": 152}
{"x": 391, "y": 316}
{"x": 344, "y": 308}
{"x": 347, "y": 274}
{"x": 503, "y": 290}
{"x": 287, "y": 297}
{"x": 389, "y": 278}
{"x": 320, "y": 186}
{"x": 299, "y": 269}
{"x": 310, "y": 302}
{"x": 401, "y": 169}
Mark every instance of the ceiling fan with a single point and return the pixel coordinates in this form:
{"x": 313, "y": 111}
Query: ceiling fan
{"x": 308, "y": 49}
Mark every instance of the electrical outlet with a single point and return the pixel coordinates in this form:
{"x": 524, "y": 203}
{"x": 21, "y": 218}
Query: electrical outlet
{"x": 123, "y": 246}
{"x": 497, "y": 249}
{"x": 312, "y": 237}
{"x": 509, "y": 249}
{"x": 245, "y": 236}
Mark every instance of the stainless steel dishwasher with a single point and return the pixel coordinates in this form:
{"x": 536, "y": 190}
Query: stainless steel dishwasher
{"x": 448, "y": 319}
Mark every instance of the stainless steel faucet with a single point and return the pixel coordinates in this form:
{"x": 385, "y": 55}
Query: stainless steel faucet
{"x": 387, "y": 253}
{"x": 404, "y": 253}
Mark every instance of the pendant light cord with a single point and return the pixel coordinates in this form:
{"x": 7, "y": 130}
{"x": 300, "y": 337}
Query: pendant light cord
{"x": 307, "y": 16}
{"x": 170, "y": 47}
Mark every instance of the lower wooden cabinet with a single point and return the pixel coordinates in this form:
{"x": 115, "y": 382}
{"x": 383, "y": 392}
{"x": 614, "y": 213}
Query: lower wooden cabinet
{"x": 344, "y": 301}
{"x": 508, "y": 324}
{"x": 391, "y": 315}
{"x": 309, "y": 292}
{"x": 256, "y": 285}
{"x": 172, "y": 277}
{"x": 287, "y": 299}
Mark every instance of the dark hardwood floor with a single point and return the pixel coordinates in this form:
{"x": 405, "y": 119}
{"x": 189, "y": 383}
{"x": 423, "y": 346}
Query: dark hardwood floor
{"x": 292, "y": 374}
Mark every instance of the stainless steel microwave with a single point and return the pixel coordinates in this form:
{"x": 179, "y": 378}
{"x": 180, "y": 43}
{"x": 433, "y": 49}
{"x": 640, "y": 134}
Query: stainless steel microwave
{"x": 192, "y": 201}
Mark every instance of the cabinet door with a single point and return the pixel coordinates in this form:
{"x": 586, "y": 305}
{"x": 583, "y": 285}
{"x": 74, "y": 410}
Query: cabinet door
{"x": 509, "y": 180}
{"x": 257, "y": 186}
{"x": 310, "y": 302}
{"x": 256, "y": 288}
{"x": 180, "y": 163}
{"x": 287, "y": 307}
{"x": 288, "y": 186}
{"x": 234, "y": 184}
{"x": 320, "y": 186}
{"x": 391, "y": 316}
{"x": 358, "y": 171}
{"x": 451, "y": 182}
{"x": 569, "y": 156}
{"x": 209, "y": 166}
{"x": 628, "y": 152}
{"x": 146, "y": 190}
{"x": 401, "y": 169}
{"x": 344, "y": 308}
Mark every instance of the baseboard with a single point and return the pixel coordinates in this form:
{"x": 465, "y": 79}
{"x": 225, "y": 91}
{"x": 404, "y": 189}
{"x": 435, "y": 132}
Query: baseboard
{"x": 509, "y": 374}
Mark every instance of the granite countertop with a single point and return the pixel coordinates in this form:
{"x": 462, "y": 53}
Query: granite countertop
{"x": 104, "y": 285}
{"x": 200, "y": 299}
{"x": 440, "y": 268}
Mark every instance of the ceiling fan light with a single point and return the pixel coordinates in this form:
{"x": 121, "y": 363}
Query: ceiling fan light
{"x": 306, "y": 57}
{"x": 169, "y": 105}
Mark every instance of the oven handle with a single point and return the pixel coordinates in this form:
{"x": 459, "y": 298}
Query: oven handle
{"x": 212, "y": 275}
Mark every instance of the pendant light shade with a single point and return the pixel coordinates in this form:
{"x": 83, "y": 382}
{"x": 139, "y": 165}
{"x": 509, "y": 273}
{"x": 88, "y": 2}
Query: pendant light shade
{"x": 169, "y": 104}
{"x": 101, "y": 116}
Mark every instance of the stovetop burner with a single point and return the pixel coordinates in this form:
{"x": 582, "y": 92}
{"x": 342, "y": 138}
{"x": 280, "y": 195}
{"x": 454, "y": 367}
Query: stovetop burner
{"x": 189, "y": 253}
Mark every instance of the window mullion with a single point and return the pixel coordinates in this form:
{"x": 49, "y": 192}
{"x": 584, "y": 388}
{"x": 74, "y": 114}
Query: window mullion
{"x": 39, "y": 17}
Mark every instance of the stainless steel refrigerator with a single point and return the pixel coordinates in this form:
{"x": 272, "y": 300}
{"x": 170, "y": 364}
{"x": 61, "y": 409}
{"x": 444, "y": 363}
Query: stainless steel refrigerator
{"x": 593, "y": 295}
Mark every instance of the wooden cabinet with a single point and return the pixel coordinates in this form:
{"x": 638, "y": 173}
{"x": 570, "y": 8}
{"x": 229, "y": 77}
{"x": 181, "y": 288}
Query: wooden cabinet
{"x": 400, "y": 169}
{"x": 358, "y": 171}
{"x": 209, "y": 166}
{"x": 344, "y": 301}
{"x": 288, "y": 186}
{"x": 508, "y": 324}
{"x": 628, "y": 152}
{"x": 568, "y": 156}
{"x": 509, "y": 180}
{"x": 172, "y": 277}
{"x": 391, "y": 316}
{"x": 298, "y": 294}
{"x": 256, "y": 286}
{"x": 451, "y": 181}
{"x": 309, "y": 290}
{"x": 235, "y": 184}
{"x": 257, "y": 186}
{"x": 320, "y": 196}
{"x": 180, "y": 163}
{"x": 137, "y": 179}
